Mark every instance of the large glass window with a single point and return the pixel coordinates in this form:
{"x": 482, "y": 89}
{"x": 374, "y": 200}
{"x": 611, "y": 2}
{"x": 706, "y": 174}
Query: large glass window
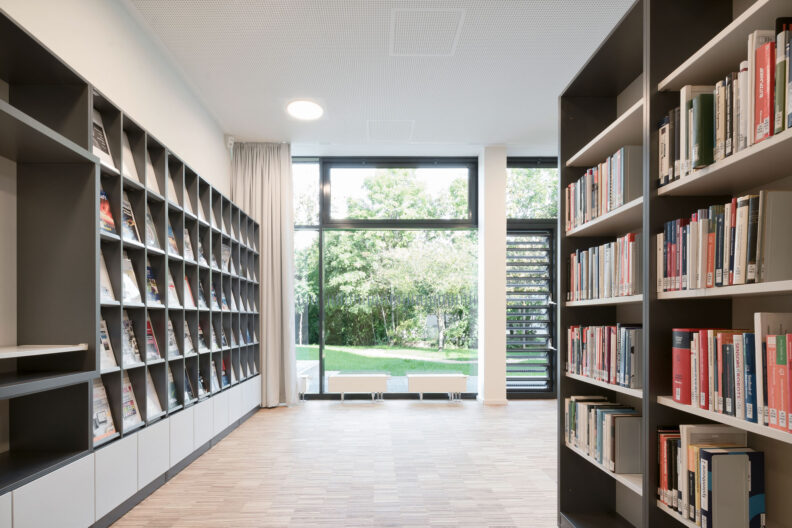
{"x": 532, "y": 189}
{"x": 385, "y": 268}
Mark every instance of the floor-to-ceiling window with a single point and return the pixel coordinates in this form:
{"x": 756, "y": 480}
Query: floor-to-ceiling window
{"x": 385, "y": 268}
{"x": 531, "y": 211}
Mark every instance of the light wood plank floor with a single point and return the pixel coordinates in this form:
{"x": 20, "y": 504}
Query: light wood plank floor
{"x": 359, "y": 464}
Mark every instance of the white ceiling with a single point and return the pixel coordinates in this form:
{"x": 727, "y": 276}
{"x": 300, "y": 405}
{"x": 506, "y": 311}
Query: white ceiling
{"x": 395, "y": 77}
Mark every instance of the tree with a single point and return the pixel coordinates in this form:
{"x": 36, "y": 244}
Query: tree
{"x": 532, "y": 193}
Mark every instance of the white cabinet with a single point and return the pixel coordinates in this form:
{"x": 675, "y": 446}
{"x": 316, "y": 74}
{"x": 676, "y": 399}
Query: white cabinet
{"x": 116, "y": 474}
{"x": 153, "y": 452}
{"x": 220, "y": 402}
{"x": 252, "y": 394}
{"x": 204, "y": 422}
{"x": 63, "y": 498}
{"x": 235, "y": 403}
{"x": 5, "y": 511}
{"x": 182, "y": 435}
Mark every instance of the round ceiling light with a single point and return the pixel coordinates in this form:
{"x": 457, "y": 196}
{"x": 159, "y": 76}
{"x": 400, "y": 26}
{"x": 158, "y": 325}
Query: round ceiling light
{"x": 304, "y": 110}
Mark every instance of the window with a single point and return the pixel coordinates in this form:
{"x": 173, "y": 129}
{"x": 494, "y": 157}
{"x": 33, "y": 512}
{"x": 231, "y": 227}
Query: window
{"x": 385, "y": 268}
{"x": 532, "y": 189}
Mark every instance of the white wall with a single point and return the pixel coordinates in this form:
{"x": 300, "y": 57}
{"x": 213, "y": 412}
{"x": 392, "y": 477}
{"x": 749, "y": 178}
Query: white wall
{"x": 492, "y": 276}
{"x": 105, "y": 44}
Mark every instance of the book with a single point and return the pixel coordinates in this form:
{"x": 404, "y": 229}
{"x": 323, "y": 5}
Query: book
{"x": 103, "y": 426}
{"x": 101, "y": 146}
{"x": 152, "y": 291}
{"x": 774, "y": 245}
{"x": 756, "y": 39}
{"x": 129, "y": 229}
{"x": 188, "y": 250}
{"x": 106, "y": 222}
{"x": 105, "y": 286}
{"x": 702, "y": 124}
{"x": 681, "y": 339}
{"x": 130, "y": 352}
{"x": 129, "y": 408}
{"x": 719, "y": 111}
{"x": 732, "y": 487}
{"x": 128, "y": 166}
{"x": 173, "y": 345}
{"x": 741, "y": 132}
{"x": 686, "y": 95}
{"x": 752, "y": 240}
{"x": 152, "y": 349}
{"x": 777, "y": 380}
{"x": 664, "y": 152}
{"x": 173, "y": 247}
{"x": 107, "y": 359}
{"x": 153, "y": 405}
{"x": 152, "y": 240}
{"x": 764, "y": 80}
{"x": 765, "y": 324}
{"x": 129, "y": 283}
{"x": 750, "y": 391}
{"x": 779, "y": 97}
{"x": 741, "y": 240}
{"x": 173, "y": 399}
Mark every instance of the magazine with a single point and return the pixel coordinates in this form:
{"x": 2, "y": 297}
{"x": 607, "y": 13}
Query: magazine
{"x": 100, "y": 144}
{"x": 152, "y": 350}
{"x": 173, "y": 295}
{"x": 152, "y": 240}
{"x": 173, "y": 346}
{"x": 225, "y": 256}
{"x": 103, "y": 426}
{"x": 128, "y": 167}
{"x": 153, "y": 406}
{"x": 152, "y": 292}
{"x": 106, "y": 288}
{"x": 130, "y": 352}
{"x": 189, "y": 349}
{"x": 213, "y": 375}
{"x": 173, "y": 247}
{"x": 188, "y": 250}
{"x": 106, "y": 222}
{"x": 129, "y": 408}
{"x": 129, "y": 229}
{"x": 189, "y": 300}
{"x": 173, "y": 400}
{"x": 107, "y": 359}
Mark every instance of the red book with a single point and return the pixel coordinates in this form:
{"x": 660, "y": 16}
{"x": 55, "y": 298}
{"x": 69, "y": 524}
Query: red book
{"x": 703, "y": 368}
{"x": 680, "y": 351}
{"x": 764, "y": 92}
{"x": 778, "y": 388}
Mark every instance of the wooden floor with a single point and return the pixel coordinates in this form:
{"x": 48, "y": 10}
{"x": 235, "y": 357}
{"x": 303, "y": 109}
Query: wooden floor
{"x": 363, "y": 464}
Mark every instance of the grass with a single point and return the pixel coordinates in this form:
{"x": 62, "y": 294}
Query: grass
{"x": 351, "y": 359}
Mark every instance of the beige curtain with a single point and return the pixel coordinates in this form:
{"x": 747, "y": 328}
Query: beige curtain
{"x": 261, "y": 184}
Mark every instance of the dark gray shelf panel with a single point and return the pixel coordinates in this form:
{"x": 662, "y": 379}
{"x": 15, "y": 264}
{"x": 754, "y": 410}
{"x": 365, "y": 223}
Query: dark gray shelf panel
{"x": 25, "y": 140}
{"x": 13, "y": 384}
{"x": 17, "y": 468}
{"x": 593, "y": 520}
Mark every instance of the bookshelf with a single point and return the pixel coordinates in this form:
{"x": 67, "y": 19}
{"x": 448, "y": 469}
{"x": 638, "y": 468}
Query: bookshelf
{"x": 593, "y": 107}
{"x": 46, "y": 378}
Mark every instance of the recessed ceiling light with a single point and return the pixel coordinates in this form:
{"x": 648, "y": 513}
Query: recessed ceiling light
{"x": 304, "y": 110}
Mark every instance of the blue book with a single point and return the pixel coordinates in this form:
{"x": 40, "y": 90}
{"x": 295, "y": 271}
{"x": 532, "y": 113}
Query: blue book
{"x": 749, "y": 360}
{"x": 732, "y": 487}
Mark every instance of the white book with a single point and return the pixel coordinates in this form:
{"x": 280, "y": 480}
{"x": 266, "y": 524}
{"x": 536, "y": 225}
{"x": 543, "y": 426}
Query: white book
{"x": 129, "y": 408}
{"x": 780, "y": 69}
{"x": 129, "y": 283}
{"x": 774, "y": 245}
{"x": 756, "y": 40}
{"x": 739, "y": 376}
{"x": 128, "y": 167}
{"x": 106, "y": 286}
{"x": 741, "y": 240}
{"x": 686, "y": 94}
{"x": 659, "y": 244}
{"x": 726, "y": 241}
{"x": 766, "y": 323}
{"x": 101, "y": 146}
{"x": 693, "y": 270}
{"x": 153, "y": 405}
{"x": 107, "y": 359}
{"x": 703, "y": 224}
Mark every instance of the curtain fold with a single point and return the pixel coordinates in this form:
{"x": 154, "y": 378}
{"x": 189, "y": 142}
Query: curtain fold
{"x": 261, "y": 184}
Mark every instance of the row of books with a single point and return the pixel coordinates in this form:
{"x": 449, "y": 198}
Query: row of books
{"x": 607, "y": 432}
{"x": 709, "y": 476}
{"x": 130, "y": 293}
{"x": 745, "y": 108}
{"x": 743, "y": 241}
{"x": 611, "y": 354}
{"x": 605, "y": 187}
{"x": 103, "y": 424}
{"x": 740, "y": 373}
{"x": 605, "y": 271}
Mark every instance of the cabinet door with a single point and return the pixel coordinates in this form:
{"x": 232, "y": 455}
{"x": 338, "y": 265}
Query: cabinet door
{"x": 116, "y": 474}
{"x": 204, "y": 422}
{"x": 182, "y": 435}
{"x": 153, "y": 452}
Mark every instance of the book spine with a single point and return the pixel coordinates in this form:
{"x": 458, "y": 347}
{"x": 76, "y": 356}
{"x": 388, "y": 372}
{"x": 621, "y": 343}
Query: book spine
{"x": 731, "y": 239}
{"x": 772, "y": 391}
{"x": 764, "y": 108}
{"x": 719, "y": 248}
{"x": 711, "y": 235}
{"x": 720, "y": 118}
{"x": 742, "y": 106}
{"x": 677, "y": 143}
{"x": 739, "y": 375}
{"x": 703, "y": 130}
{"x": 753, "y": 227}
{"x": 703, "y": 360}
{"x": 779, "y": 103}
{"x": 728, "y": 125}
{"x": 680, "y": 343}
{"x": 749, "y": 361}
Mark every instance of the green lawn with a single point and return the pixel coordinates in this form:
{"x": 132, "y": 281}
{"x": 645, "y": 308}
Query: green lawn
{"x": 345, "y": 358}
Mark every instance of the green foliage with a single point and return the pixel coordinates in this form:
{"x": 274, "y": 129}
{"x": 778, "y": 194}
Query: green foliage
{"x": 532, "y": 193}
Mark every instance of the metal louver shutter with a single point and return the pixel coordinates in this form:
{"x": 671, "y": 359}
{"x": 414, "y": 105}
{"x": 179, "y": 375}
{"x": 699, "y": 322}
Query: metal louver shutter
{"x": 529, "y": 312}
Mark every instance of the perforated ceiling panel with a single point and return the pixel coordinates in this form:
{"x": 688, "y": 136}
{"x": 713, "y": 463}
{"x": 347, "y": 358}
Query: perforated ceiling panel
{"x": 462, "y": 73}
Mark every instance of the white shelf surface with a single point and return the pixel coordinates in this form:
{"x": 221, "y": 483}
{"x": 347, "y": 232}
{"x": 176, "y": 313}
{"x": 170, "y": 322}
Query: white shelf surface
{"x": 724, "y": 52}
{"x": 759, "y": 288}
{"x": 761, "y": 430}
{"x": 19, "y": 351}
{"x": 632, "y": 481}
{"x": 627, "y": 299}
{"x": 676, "y": 515}
{"x": 759, "y": 164}
{"x": 635, "y": 393}
{"x": 626, "y": 130}
{"x": 617, "y": 222}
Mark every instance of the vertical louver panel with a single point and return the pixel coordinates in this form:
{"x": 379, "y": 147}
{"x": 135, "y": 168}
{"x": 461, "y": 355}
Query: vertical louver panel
{"x": 529, "y": 311}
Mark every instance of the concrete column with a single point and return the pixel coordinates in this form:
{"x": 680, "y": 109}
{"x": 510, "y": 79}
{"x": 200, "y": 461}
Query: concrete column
{"x": 492, "y": 276}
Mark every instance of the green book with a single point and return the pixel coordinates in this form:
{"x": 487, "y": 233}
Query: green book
{"x": 703, "y": 121}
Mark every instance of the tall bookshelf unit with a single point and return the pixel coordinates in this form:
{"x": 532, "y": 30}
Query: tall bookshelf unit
{"x": 618, "y": 98}
{"x": 46, "y": 403}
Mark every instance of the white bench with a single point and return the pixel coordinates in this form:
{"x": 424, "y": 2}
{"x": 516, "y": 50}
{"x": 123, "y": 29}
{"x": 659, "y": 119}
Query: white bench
{"x": 376, "y": 384}
{"x": 453, "y": 384}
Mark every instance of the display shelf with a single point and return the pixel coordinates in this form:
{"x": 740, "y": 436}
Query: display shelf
{"x": 761, "y": 430}
{"x": 617, "y": 222}
{"x": 632, "y": 481}
{"x": 627, "y": 299}
{"x": 13, "y": 384}
{"x": 676, "y": 515}
{"x": 20, "y": 351}
{"x": 19, "y": 467}
{"x": 625, "y": 130}
{"x": 109, "y": 237}
{"x": 635, "y": 393}
{"x": 106, "y": 440}
{"x": 740, "y": 290}
{"x": 759, "y": 164}
{"x": 723, "y": 53}
{"x": 593, "y": 520}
